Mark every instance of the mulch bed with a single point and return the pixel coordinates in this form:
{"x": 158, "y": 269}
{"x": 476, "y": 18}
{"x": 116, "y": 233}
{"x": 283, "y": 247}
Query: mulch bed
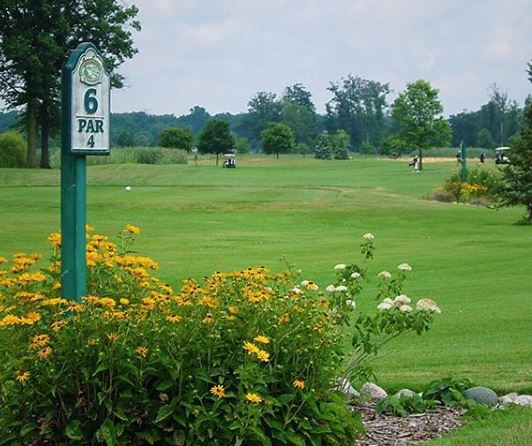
{"x": 387, "y": 430}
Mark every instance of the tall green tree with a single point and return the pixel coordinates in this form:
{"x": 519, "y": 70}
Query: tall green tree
{"x": 263, "y": 108}
{"x": 35, "y": 38}
{"x": 301, "y": 120}
{"x": 277, "y": 138}
{"x": 358, "y": 106}
{"x": 484, "y": 139}
{"x": 216, "y": 137}
{"x": 299, "y": 95}
{"x": 419, "y": 112}
{"x": 177, "y": 138}
{"x": 516, "y": 185}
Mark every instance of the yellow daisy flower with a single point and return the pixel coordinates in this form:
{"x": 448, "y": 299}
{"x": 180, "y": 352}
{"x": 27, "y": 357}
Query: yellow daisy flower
{"x": 253, "y": 398}
{"x": 250, "y": 347}
{"x": 262, "y": 339}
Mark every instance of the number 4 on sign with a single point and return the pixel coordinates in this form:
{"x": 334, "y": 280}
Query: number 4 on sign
{"x": 90, "y": 142}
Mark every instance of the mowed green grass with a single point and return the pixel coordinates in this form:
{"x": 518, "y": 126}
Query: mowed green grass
{"x": 475, "y": 262}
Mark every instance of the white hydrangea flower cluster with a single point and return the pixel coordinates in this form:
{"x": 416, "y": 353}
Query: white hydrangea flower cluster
{"x": 384, "y": 275}
{"x": 428, "y": 305}
{"x": 404, "y": 267}
{"x": 402, "y": 302}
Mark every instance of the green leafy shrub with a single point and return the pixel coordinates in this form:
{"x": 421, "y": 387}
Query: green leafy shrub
{"x": 367, "y": 149}
{"x": 12, "y": 149}
{"x": 448, "y": 391}
{"x": 479, "y": 187}
{"x": 246, "y": 357}
{"x": 148, "y": 155}
{"x": 404, "y": 405}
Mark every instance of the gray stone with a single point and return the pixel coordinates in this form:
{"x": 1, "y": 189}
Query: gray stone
{"x": 524, "y": 400}
{"x": 482, "y": 395}
{"x": 373, "y": 391}
{"x": 405, "y": 393}
{"x": 344, "y": 386}
{"x": 509, "y": 398}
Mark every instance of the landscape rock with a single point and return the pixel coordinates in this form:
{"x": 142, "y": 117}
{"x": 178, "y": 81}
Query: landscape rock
{"x": 509, "y": 398}
{"x": 406, "y": 393}
{"x": 373, "y": 391}
{"x": 524, "y": 400}
{"x": 482, "y": 395}
{"x": 344, "y": 386}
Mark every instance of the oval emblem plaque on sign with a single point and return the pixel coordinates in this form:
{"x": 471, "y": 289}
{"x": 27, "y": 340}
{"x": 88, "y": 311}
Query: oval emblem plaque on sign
{"x": 90, "y": 72}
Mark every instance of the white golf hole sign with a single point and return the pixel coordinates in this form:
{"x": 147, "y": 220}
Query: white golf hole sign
{"x": 90, "y": 104}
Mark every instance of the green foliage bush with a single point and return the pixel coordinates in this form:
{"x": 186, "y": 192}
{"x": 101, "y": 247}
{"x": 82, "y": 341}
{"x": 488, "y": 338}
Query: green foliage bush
{"x": 147, "y": 155}
{"x": 246, "y": 357}
{"x": 177, "y": 138}
{"x": 12, "y": 149}
{"x": 448, "y": 391}
{"x": 478, "y": 188}
{"x": 404, "y": 405}
{"x": 367, "y": 149}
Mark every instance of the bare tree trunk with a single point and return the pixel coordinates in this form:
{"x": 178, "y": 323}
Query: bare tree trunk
{"x": 45, "y": 136}
{"x": 31, "y": 123}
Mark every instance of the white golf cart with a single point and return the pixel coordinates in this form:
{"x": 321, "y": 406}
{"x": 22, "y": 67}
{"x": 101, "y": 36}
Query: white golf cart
{"x": 229, "y": 161}
{"x": 501, "y": 155}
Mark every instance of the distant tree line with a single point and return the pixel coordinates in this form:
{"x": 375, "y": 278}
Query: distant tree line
{"x": 357, "y": 118}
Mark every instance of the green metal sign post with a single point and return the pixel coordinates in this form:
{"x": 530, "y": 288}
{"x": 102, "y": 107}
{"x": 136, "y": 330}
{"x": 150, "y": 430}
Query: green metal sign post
{"x": 463, "y": 156}
{"x": 85, "y": 131}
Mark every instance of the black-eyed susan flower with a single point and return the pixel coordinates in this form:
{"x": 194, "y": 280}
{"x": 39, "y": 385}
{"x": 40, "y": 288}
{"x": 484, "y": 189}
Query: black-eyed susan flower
{"x": 113, "y": 337}
{"x": 45, "y": 352}
{"x": 218, "y": 391}
{"x": 55, "y": 239}
{"x": 142, "y": 351}
{"x": 39, "y": 341}
{"x": 130, "y": 229}
{"x": 22, "y": 376}
{"x": 299, "y": 384}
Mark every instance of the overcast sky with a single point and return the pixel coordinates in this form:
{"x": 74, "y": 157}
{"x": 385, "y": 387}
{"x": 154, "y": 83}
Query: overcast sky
{"x": 219, "y": 53}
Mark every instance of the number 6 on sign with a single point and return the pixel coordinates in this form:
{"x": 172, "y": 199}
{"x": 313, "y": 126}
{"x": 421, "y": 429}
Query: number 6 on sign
{"x": 90, "y": 102}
